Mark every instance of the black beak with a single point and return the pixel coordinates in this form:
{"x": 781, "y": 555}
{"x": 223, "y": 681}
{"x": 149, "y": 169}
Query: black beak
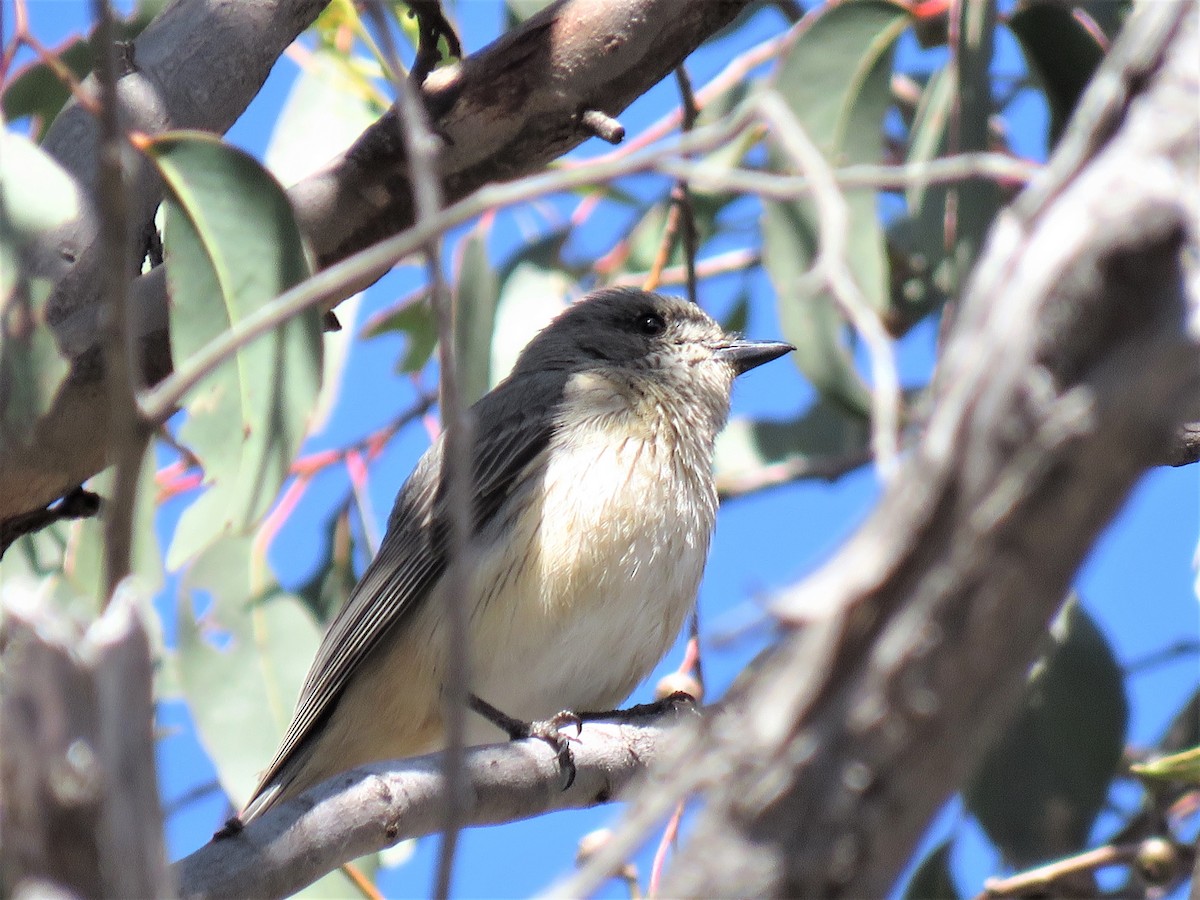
{"x": 747, "y": 355}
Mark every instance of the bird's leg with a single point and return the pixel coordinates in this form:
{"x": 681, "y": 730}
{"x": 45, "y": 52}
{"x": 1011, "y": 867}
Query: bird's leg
{"x": 547, "y": 730}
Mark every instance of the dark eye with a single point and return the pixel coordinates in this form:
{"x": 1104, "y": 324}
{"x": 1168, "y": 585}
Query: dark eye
{"x": 650, "y": 324}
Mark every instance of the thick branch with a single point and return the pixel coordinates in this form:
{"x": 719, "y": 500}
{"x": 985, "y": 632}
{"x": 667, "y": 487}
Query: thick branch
{"x": 77, "y": 787}
{"x": 503, "y": 112}
{"x": 1070, "y": 367}
{"x": 371, "y": 808}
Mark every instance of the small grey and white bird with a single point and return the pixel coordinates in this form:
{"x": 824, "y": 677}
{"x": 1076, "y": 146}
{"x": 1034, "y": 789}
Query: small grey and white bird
{"x": 594, "y": 504}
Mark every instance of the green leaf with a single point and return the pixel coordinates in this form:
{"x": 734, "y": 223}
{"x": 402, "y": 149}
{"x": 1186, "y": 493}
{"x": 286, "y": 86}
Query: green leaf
{"x": 1184, "y": 766}
{"x": 923, "y": 270}
{"x": 825, "y": 431}
{"x": 933, "y": 879}
{"x": 646, "y": 236}
{"x": 1062, "y": 50}
{"x": 1184, "y": 730}
{"x": 326, "y": 592}
{"x": 1042, "y": 785}
{"x": 534, "y": 288}
{"x": 414, "y": 319}
{"x": 36, "y": 196}
{"x": 836, "y": 80}
{"x": 242, "y": 660}
{"x": 475, "y": 296}
{"x": 809, "y": 320}
{"x": 37, "y": 91}
{"x": 84, "y": 564}
{"x": 232, "y": 245}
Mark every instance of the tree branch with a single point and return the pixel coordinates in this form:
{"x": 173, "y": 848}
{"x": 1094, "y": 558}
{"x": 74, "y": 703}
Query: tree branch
{"x": 1072, "y": 362}
{"x": 373, "y": 807}
{"x": 503, "y": 112}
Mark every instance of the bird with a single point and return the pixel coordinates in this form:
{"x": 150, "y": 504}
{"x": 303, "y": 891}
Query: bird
{"x": 593, "y": 506}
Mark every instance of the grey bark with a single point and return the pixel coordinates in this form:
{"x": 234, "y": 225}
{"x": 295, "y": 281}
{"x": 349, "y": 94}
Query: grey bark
{"x": 1073, "y": 362}
{"x": 77, "y": 787}
{"x": 368, "y": 809}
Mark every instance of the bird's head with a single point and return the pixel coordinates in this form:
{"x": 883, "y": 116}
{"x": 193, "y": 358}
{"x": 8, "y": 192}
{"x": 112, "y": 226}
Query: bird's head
{"x": 661, "y": 350}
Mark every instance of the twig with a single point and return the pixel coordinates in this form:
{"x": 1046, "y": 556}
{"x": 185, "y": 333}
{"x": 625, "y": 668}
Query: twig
{"x": 682, "y": 193}
{"x": 1045, "y": 876}
{"x": 75, "y": 504}
{"x": 432, "y": 25}
{"x": 832, "y": 268}
{"x": 422, "y": 148}
{"x": 718, "y": 264}
{"x": 119, "y": 359}
{"x": 826, "y": 468}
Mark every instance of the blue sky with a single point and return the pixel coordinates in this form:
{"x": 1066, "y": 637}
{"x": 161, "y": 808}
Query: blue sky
{"x": 1138, "y": 581}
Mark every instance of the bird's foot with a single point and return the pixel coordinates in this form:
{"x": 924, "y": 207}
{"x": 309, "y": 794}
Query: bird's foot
{"x": 547, "y": 730}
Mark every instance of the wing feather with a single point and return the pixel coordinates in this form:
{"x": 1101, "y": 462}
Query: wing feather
{"x": 513, "y": 424}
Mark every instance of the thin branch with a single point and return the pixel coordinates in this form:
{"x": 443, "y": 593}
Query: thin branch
{"x": 131, "y": 434}
{"x": 75, "y": 504}
{"x": 422, "y": 150}
{"x": 1043, "y": 878}
{"x": 832, "y": 268}
{"x": 710, "y": 267}
{"x": 825, "y": 468}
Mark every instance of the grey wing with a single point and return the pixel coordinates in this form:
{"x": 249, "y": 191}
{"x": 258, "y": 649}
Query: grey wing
{"x": 512, "y": 425}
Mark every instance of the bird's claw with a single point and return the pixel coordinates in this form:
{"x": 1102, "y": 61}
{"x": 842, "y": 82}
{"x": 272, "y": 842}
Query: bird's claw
{"x": 550, "y": 731}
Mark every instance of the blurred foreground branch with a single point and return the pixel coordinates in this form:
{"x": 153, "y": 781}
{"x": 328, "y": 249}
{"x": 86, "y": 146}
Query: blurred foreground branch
{"x": 77, "y": 788}
{"x": 1072, "y": 364}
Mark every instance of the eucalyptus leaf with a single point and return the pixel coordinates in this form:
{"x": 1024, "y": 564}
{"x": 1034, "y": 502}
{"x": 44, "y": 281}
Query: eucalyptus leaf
{"x": 1041, "y": 786}
{"x": 476, "y": 292}
{"x": 244, "y": 649}
{"x": 836, "y": 80}
{"x": 232, "y": 245}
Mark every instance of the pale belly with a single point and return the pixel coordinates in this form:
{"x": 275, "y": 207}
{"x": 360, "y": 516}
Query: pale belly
{"x": 612, "y": 572}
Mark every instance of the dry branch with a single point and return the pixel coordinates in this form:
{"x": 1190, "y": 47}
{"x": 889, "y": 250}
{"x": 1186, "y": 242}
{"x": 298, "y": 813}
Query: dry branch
{"x": 77, "y": 787}
{"x": 371, "y": 808}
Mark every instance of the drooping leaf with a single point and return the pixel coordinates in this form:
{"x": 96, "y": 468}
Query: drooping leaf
{"x": 1184, "y": 730}
{"x": 84, "y": 562}
{"x": 232, "y": 246}
{"x": 1041, "y": 786}
{"x": 475, "y": 295}
{"x": 36, "y": 195}
{"x": 413, "y": 317}
{"x": 836, "y": 80}
{"x": 826, "y": 431}
{"x": 923, "y": 271}
{"x": 933, "y": 880}
{"x": 244, "y": 648}
{"x": 534, "y": 287}
{"x": 334, "y": 578}
{"x": 1063, "y": 48}
{"x": 810, "y": 320}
